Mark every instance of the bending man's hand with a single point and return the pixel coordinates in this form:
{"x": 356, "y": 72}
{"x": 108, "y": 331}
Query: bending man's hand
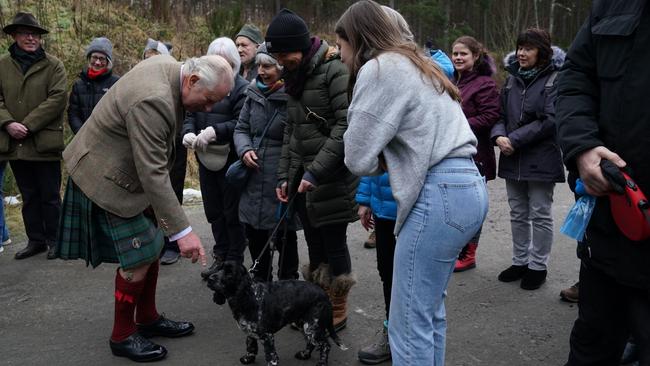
{"x": 305, "y": 186}
{"x": 190, "y": 246}
{"x": 589, "y": 168}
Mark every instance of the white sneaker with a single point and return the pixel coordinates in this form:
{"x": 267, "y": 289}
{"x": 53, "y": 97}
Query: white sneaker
{"x": 6, "y": 242}
{"x": 2, "y": 249}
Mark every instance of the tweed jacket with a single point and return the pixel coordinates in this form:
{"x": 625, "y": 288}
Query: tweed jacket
{"x": 37, "y": 100}
{"x": 121, "y": 158}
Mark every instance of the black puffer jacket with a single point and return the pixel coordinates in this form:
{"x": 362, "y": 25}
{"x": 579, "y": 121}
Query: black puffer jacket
{"x": 85, "y": 95}
{"x": 603, "y": 101}
{"x": 528, "y": 120}
{"x": 223, "y": 118}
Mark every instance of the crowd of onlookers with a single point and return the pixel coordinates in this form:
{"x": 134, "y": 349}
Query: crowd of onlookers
{"x": 371, "y": 128}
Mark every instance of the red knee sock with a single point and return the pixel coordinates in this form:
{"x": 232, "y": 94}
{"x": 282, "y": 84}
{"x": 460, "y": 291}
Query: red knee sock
{"x": 146, "y": 312}
{"x": 126, "y": 298}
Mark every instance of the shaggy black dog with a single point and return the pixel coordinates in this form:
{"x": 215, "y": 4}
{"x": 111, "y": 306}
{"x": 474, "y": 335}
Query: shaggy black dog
{"x": 261, "y": 309}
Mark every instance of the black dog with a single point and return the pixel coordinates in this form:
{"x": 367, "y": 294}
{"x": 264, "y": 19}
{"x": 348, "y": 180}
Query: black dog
{"x": 261, "y": 309}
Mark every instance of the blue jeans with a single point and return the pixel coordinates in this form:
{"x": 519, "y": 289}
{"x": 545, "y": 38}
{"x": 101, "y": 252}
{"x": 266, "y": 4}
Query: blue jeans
{"x": 450, "y": 209}
{"x": 3, "y": 227}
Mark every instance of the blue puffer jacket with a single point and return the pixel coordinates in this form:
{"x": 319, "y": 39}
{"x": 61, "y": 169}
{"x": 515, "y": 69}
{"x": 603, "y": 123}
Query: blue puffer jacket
{"x": 444, "y": 62}
{"x": 375, "y": 192}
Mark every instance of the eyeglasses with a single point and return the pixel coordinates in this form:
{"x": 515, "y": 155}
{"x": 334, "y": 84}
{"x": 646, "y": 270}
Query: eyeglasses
{"x": 29, "y": 34}
{"x": 98, "y": 58}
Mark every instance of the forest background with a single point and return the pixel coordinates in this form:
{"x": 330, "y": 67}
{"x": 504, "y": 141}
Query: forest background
{"x": 190, "y": 26}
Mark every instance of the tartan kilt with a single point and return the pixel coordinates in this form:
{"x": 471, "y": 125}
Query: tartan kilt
{"x": 87, "y": 231}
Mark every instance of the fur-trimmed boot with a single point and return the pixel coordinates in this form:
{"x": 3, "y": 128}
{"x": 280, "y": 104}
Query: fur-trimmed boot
{"x": 338, "y": 293}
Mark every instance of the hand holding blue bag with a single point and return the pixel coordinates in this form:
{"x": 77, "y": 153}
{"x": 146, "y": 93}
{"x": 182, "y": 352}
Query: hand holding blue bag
{"x": 577, "y": 220}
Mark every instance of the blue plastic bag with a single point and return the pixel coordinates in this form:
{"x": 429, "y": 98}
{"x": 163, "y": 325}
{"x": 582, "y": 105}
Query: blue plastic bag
{"x": 575, "y": 224}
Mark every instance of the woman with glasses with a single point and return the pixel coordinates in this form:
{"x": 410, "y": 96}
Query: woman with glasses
{"x": 94, "y": 81}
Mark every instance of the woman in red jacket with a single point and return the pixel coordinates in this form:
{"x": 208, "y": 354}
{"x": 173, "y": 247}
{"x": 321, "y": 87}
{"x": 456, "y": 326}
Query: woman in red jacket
{"x": 474, "y": 69}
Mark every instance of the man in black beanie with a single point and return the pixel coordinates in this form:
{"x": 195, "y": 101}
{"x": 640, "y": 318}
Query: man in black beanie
{"x": 312, "y": 159}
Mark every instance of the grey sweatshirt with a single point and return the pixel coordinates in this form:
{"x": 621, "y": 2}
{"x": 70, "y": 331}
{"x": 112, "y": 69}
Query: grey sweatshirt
{"x": 395, "y": 111}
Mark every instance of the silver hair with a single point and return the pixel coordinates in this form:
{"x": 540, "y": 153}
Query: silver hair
{"x": 212, "y": 70}
{"x": 266, "y": 59}
{"x": 400, "y": 22}
{"x": 225, "y": 47}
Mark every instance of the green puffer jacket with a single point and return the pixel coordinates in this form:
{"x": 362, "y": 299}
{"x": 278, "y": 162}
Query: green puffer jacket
{"x": 313, "y": 141}
{"x": 37, "y": 100}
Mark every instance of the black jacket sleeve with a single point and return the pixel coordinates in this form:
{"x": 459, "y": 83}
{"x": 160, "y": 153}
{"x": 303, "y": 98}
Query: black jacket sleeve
{"x": 578, "y": 99}
{"x": 74, "y": 110}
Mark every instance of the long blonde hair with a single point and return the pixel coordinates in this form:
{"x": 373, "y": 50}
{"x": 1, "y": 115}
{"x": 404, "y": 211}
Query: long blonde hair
{"x": 370, "y": 32}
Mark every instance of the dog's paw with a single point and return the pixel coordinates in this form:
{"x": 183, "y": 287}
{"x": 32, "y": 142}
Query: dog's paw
{"x": 247, "y": 359}
{"x": 303, "y": 355}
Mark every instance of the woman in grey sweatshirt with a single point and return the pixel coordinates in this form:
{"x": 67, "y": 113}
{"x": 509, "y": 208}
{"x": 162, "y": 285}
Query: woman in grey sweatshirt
{"x": 404, "y": 118}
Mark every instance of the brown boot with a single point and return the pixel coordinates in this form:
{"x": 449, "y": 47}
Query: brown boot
{"x": 371, "y": 243}
{"x": 338, "y": 293}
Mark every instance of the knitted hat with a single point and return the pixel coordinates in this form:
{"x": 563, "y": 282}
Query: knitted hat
{"x": 251, "y": 32}
{"x": 152, "y": 44}
{"x": 101, "y": 44}
{"x": 287, "y": 33}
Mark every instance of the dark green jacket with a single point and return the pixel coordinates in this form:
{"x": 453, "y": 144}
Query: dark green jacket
{"x": 313, "y": 141}
{"x": 37, "y": 100}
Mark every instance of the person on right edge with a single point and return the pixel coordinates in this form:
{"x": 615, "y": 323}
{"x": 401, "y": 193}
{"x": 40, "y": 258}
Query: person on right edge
{"x": 602, "y": 113}
{"x": 530, "y": 160}
{"x": 413, "y": 127}
{"x": 473, "y": 77}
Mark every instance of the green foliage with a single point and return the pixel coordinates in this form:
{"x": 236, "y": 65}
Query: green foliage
{"x": 225, "y": 21}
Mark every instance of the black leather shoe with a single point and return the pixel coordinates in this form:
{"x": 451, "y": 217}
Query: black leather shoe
{"x": 31, "y": 249}
{"x": 138, "y": 348}
{"x": 164, "y": 327}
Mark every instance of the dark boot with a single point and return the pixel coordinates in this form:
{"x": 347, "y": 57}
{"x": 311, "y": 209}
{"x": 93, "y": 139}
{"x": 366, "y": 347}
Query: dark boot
{"x": 571, "y": 294}
{"x": 533, "y": 279}
{"x": 512, "y": 273}
{"x": 32, "y": 248}
{"x": 213, "y": 267}
{"x": 51, "y": 250}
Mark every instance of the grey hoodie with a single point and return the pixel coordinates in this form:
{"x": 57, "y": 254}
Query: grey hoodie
{"x": 395, "y": 111}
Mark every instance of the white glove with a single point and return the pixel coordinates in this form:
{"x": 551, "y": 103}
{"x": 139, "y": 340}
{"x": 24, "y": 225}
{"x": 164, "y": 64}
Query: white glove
{"x": 204, "y": 138}
{"x": 188, "y": 140}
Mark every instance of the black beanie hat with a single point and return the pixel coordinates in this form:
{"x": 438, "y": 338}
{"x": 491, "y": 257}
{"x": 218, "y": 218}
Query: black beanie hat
{"x": 287, "y": 33}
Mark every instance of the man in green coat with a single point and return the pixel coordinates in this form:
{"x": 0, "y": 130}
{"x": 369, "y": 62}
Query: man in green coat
{"x": 32, "y": 103}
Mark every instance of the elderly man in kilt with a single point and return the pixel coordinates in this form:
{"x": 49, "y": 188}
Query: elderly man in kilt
{"x": 119, "y": 195}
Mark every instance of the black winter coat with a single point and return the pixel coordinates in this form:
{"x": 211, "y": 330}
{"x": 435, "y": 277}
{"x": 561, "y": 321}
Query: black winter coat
{"x": 223, "y": 117}
{"x": 528, "y": 120}
{"x": 85, "y": 95}
{"x": 603, "y": 101}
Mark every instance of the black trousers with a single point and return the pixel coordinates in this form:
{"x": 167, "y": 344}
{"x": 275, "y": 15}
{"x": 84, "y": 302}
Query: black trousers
{"x": 39, "y": 183}
{"x": 286, "y": 243}
{"x": 177, "y": 178}
{"x": 608, "y": 314}
{"x": 326, "y": 244}
{"x": 221, "y": 205}
{"x": 386, "y": 243}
